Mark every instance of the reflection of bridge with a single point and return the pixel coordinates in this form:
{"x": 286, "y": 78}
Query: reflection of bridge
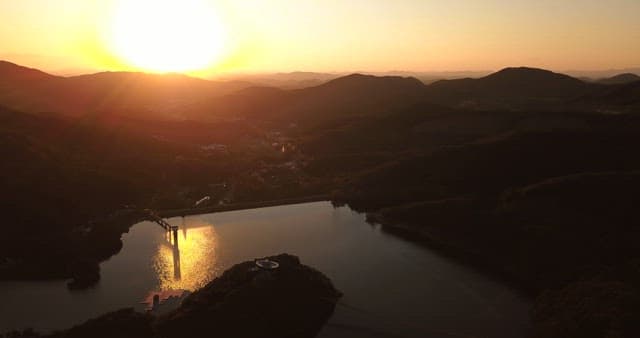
{"x": 177, "y": 271}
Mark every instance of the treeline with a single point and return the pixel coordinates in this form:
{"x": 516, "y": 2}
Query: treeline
{"x": 67, "y": 183}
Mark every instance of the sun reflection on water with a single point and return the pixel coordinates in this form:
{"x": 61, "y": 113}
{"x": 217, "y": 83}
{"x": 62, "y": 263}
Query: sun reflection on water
{"x": 188, "y": 263}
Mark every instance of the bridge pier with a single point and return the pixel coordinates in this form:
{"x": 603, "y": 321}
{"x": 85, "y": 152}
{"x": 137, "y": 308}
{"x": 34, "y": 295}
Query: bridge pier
{"x": 174, "y": 230}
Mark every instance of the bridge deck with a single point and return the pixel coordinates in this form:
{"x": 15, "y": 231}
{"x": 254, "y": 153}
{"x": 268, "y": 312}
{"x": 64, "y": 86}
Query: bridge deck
{"x": 164, "y": 224}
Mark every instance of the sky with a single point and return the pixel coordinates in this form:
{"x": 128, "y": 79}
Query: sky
{"x": 67, "y": 36}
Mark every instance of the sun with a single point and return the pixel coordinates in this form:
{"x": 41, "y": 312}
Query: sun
{"x": 167, "y": 35}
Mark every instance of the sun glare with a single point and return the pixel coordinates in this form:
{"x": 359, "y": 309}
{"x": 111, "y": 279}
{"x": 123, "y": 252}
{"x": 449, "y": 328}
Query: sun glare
{"x": 167, "y": 35}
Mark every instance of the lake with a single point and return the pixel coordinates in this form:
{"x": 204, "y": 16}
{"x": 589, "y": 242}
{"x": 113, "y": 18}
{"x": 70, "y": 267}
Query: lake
{"x": 392, "y": 287}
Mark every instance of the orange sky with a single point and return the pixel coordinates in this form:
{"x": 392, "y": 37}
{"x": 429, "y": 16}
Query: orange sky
{"x": 323, "y": 35}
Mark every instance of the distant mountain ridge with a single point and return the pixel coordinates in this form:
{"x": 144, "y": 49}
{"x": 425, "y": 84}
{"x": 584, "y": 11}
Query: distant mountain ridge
{"x": 148, "y": 95}
{"x": 180, "y": 97}
{"x": 292, "y": 80}
{"x": 533, "y": 81}
{"x": 349, "y": 96}
{"x": 358, "y": 80}
{"x": 509, "y": 88}
{"x": 13, "y": 72}
{"x": 355, "y": 95}
{"x": 620, "y": 79}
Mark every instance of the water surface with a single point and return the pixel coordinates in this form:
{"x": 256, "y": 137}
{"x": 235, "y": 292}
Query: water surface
{"x": 392, "y": 288}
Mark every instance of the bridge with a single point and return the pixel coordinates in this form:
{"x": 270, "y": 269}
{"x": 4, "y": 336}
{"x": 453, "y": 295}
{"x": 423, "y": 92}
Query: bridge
{"x": 153, "y": 216}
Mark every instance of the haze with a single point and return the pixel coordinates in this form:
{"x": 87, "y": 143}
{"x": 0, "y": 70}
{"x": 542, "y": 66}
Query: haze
{"x": 72, "y": 36}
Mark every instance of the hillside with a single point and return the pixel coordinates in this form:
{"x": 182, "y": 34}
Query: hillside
{"x": 65, "y": 175}
{"x": 620, "y": 79}
{"x": 179, "y": 97}
{"x": 510, "y": 88}
{"x": 130, "y": 94}
{"x": 12, "y": 72}
{"x": 19, "y": 85}
{"x": 550, "y": 209}
{"x": 613, "y": 99}
{"x": 352, "y": 96}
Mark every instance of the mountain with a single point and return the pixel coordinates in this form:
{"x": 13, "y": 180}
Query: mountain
{"x": 533, "y": 82}
{"x": 126, "y": 93}
{"x": 620, "y": 79}
{"x": 601, "y": 74}
{"x": 11, "y": 72}
{"x": 179, "y": 97}
{"x": 354, "y": 96}
{"x": 293, "y": 80}
{"x": 510, "y": 88}
{"x": 346, "y": 97}
{"x": 19, "y": 84}
{"x": 249, "y": 103}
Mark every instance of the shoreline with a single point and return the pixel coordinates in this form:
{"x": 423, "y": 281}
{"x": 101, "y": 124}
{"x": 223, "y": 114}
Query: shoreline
{"x": 474, "y": 260}
{"x": 477, "y": 261}
{"x": 243, "y": 206}
{"x": 447, "y": 249}
{"x": 39, "y": 269}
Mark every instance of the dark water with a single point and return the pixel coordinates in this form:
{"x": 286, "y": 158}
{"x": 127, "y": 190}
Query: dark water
{"x": 392, "y": 288}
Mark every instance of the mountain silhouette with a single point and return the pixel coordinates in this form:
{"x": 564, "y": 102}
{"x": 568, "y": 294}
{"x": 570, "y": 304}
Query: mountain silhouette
{"x": 369, "y": 83}
{"x": 292, "y": 80}
{"x": 180, "y": 97}
{"x": 19, "y": 87}
{"x": 620, "y": 79}
{"x": 134, "y": 94}
{"x": 350, "y": 96}
{"x": 356, "y": 95}
{"x": 534, "y": 82}
{"x": 11, "y": 72}
{"x": 509, "y": 88}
